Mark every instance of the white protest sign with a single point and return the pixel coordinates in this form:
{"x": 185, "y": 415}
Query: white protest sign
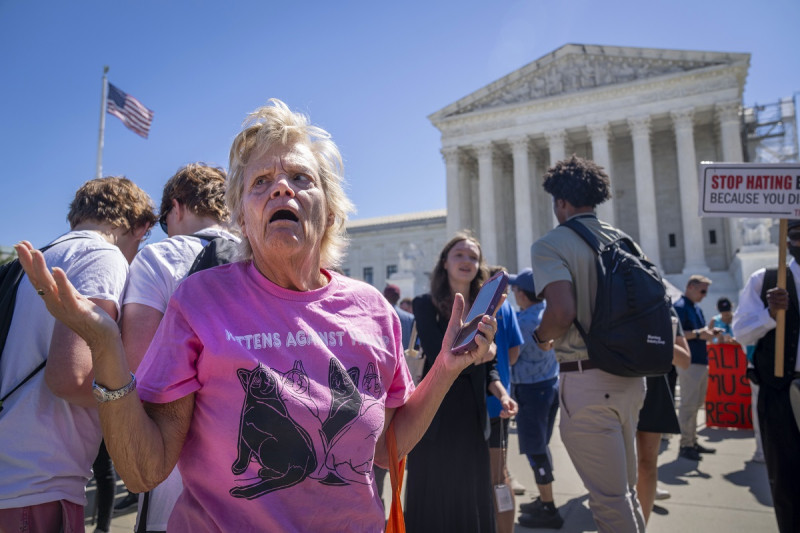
{"x": 768, "y": 190}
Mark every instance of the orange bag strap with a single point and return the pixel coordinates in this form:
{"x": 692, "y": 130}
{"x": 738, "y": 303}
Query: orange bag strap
{"x": 395, "y": 523}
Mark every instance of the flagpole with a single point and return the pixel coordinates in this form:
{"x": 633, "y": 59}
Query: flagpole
{"x": 99, "y": 173}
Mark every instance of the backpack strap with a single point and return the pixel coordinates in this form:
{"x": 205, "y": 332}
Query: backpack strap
{"x": 584, "y": 233}
{"x": 205, "y": 237}
{"x": 23, "y": 382}
{"x": 142, "y": 528}
{"x": 10, "y": 286}
{"x": 593, "y": 242}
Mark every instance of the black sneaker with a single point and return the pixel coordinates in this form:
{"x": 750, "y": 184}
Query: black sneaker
{"x": 689, "y": 452}
{"x": 129, "y": 502}
{"x": 541, "y": 518}
{"x": 703, "y": 449}
{"x": 532, "y": 507}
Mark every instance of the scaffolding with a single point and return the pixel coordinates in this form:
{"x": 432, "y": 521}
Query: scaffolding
{"x": 770, "y": 132}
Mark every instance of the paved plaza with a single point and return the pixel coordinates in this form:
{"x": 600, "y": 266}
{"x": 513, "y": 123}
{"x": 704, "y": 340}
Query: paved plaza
{"x": 724, "y": 493}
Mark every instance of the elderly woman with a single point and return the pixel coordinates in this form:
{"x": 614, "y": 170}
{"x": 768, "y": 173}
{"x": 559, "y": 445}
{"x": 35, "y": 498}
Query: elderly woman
{"x": 270, "y": 381}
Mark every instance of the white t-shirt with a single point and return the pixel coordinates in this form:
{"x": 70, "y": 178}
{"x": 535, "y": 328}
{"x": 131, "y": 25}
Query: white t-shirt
{"x": 156, "y": 272}
{"x": 48, "y": 445}
{"x": 158, "y": 268}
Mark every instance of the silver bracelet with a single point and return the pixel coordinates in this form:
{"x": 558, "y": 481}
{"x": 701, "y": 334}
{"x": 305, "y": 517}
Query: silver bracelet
{"x": 102, "y": 394}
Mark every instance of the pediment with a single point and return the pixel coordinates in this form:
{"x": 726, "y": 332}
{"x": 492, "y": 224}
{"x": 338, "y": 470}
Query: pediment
{"x": 574, "y": 68}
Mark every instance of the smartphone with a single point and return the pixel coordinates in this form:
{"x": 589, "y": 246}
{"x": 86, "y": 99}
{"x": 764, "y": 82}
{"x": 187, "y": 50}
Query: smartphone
{"x": 485, "y": 304}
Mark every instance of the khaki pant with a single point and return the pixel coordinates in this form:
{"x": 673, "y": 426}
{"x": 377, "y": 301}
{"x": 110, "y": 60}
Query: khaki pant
{"x": 599, "y": 413}
{"x": 694, "y": 383}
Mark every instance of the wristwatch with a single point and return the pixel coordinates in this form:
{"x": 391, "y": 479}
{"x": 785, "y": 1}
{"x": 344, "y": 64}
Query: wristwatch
{"x": 102, "y": 394}
{"x": 536, "y": 338}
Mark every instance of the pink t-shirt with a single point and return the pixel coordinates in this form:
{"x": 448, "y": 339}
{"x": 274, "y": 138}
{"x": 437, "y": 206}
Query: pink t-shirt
{"x": 290, "y": 392}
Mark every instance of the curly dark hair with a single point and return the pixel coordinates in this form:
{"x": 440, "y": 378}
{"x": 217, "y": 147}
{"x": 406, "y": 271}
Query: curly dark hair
{"x": 581, "y": 182}
{"x": 441, "y": 292}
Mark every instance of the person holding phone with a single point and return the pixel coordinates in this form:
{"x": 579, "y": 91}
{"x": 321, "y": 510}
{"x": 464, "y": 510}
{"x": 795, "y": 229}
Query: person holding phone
{"x": 721, "y": 323}
{"x": 448, "y": 487}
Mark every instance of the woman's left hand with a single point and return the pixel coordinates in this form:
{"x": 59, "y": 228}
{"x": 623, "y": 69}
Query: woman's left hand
{"x": 487, "y": 329}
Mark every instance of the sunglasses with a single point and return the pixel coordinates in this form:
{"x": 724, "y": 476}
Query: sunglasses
{"x": 794, "y": 236}
{"x": 162, "y": 220}
{"x": 703, "y": 291}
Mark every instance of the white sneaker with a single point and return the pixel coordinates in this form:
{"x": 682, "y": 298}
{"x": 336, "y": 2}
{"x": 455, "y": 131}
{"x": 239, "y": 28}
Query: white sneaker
{"x": 517, "y": 487}
{"x": 662, "y": 494}
{"x": 758, "y": 458}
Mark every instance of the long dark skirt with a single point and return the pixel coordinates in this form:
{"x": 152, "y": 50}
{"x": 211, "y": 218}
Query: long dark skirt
{"x": 448, "y": 486}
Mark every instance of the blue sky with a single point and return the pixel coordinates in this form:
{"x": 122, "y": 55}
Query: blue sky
{"x": 368, "y": 72}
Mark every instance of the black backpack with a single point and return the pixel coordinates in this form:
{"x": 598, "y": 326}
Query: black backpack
{"x": 10, "y": 275}
{"x": 218, "y": 251}
{"x": 631, "y": 331}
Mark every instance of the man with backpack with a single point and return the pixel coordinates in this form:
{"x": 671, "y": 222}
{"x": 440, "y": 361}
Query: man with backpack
{"x": 778, "y": 397}
{"x": 192, "y": 214}
{"x": 599, "y": 410}
{"x": 49, "y": 425}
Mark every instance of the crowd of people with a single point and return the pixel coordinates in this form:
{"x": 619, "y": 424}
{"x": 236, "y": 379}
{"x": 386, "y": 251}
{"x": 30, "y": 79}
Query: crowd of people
{"x": 258, "y": 395}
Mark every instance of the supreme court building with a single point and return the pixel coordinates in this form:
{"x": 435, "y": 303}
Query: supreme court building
{"x": 648, "y": 116}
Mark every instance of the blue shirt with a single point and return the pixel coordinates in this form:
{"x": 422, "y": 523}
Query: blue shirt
{"x": 691, "y": 317}
{"x": 508, "y": 335}
{"x": 406, "y": 322}
{"x": 534, "y": 364}
{"x": 717, "y": 322}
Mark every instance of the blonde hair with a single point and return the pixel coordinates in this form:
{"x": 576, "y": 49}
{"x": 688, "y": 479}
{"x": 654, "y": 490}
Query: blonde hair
{"x": 275, "y": 124}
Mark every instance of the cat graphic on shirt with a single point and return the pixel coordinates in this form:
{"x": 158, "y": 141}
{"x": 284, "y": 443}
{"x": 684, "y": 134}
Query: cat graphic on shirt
{"x": 268, "y": 434}
{"x": 345, "y": 463}
{"x": 289, "y": 453}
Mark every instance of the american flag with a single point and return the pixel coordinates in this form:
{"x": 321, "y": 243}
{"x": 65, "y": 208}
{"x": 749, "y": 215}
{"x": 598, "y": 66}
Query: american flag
{"x": 129, "y": 110}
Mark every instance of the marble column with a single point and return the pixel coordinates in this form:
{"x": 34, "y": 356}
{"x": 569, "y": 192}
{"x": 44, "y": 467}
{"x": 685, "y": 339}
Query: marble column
{"x": 600, "y": 134}
{"x": 557, "y": 143}
{"x": 731, "y": 140}
{"x": 523, "y": 206}
{"x": 456, "y": 191}
{"x": 486, "y": 202}
{"x": 683, "y": 121}
{"x": 645, "y": 188}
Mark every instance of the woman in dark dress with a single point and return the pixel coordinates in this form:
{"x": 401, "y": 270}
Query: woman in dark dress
{"x": 657, "y": 416}
{"x": 449, "y": 485}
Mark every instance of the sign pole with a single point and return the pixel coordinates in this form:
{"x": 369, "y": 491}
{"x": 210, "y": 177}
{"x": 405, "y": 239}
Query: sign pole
{"x": 780, "y": 316}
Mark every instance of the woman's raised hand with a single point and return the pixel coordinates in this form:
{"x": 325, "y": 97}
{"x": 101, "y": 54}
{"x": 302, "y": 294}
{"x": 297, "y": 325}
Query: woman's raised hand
{"x": 63, "y": 301}
{"x": 487, "y": 329}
